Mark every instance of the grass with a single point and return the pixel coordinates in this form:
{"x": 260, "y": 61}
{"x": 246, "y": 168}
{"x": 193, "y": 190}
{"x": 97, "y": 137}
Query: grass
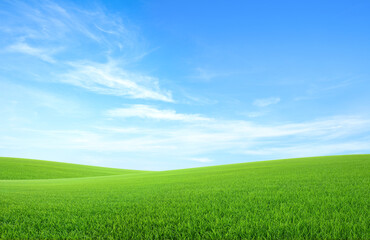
{"x": 19, "y": 168}
{"x": 306, "y": 198}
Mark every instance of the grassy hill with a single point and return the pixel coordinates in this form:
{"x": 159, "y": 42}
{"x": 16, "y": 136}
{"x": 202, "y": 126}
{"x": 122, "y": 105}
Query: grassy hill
{"x": 306, "y": 198}
{"x": 20, "y": 168}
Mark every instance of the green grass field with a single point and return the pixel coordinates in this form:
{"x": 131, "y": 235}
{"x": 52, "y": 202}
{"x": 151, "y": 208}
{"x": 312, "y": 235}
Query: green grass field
{"x": 19, "y": 168}
{"x": 306, "y": 198}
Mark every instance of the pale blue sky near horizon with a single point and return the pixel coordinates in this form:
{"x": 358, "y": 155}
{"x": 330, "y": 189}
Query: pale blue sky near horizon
{"x": 159, "y": 85}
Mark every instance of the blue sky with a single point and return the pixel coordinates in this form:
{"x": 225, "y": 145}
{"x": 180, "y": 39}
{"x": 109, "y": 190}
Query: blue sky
{"x": 162, "y": 85}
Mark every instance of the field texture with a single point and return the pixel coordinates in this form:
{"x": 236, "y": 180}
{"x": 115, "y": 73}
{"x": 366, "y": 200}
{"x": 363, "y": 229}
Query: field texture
{"x": 19, "y": 168}
{"x": 307, "y": 198}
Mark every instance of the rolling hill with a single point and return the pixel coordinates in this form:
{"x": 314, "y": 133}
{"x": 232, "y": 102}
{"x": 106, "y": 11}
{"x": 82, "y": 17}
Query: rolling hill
{"x": 20, "y": 168}
{"x": 303, "y": 198}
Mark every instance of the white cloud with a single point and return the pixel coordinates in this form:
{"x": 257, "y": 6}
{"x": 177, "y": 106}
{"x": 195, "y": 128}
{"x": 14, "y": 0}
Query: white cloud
{"x": 82, "y": 37}
{"x": 111, "y": 80}
{"x": 205, "y": 74}
{"x": 146, "y": 111}
{"x": 312, "y": 149}
{"x": 188, "y": 140}
{"x": 61, "y": 23}
{"x": 210, "y": 137}
{"x": 43, "y": 54}
{"x": 264, "y": 102}
{"x": 201, "y": 160}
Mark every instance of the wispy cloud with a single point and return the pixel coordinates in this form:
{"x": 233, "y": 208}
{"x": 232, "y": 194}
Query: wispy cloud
{"x": 109, "y": 79}
{"x": 189, "y": 141}
{"x": 323, "y": 88}
{"x": 211, "y": 137}
{"x": 92, "y": 47}
{"x": 254, "y": 114}
{"x": 43, "y": 54}
{"x": 201, "y": 160}
{"x": 206, "y": 74}
{"x": 313, "y": 149}
{"x": 62, "y": 23}
{"x": 146, "y": 111}
{"x": 264, "y": 102}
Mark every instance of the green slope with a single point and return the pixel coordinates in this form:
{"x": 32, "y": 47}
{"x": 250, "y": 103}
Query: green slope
{"x": 307, "y": 198}
{"x": 19, "y": 168}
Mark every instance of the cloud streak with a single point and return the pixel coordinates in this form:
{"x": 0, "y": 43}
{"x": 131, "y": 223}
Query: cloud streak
{"x": 86, "y": 48}
{"x": 111, "y": 80}
{"x": 150, "y": 112}
{"x": 43, "y": 54}
{"x": 188, "y": 140}
{"x": 264, "y": 102}
{"x": 201, "y": 160}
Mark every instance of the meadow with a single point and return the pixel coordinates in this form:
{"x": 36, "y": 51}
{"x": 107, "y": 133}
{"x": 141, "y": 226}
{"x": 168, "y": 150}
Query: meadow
{"x": 302, "y": 198}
